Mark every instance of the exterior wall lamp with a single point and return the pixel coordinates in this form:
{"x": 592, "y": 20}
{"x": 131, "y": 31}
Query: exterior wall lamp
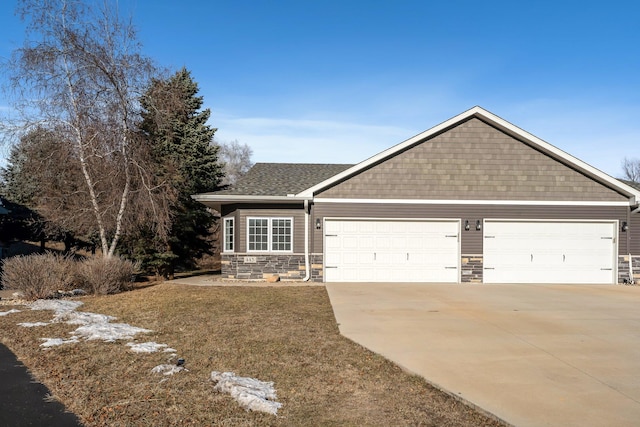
{"x": 625, "y": 226}
{"x": 467, "y": 227}
{"x": 318, "y": 224}
{"x": 478, "y": 225}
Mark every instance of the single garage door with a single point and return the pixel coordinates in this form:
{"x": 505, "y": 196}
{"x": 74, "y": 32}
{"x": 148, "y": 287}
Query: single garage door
{"x": 550, "y": 251}
{"x": 391, "y": 250}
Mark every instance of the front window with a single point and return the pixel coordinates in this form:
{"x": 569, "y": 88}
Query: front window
{"x": 269, "y": 234}
{"x": 280, "y": 235}
{"x": 258, "y": 234}
{"x": 228, "y": 234}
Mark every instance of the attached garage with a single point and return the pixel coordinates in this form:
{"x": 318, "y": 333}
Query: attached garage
{"x": 474, "y": 199}
{"x": 550, "y": 251}
{"x": 377, "y": 250}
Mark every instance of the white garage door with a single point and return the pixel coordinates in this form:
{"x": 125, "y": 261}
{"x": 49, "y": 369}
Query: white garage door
{"x": 391, "y": 250}
{"x": 550, "y": 252}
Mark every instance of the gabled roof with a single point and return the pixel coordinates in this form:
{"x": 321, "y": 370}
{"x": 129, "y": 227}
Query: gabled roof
{"x": 275, "y": 181}
{"x": 632, "y": 184}
{"x": 292, "y": 182}
{"x": 478, "y": 112}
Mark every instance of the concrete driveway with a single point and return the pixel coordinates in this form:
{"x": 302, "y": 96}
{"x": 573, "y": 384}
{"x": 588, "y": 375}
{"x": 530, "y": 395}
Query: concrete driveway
{"x": 533, "y": 355}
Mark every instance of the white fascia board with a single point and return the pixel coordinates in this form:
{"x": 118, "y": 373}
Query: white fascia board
{"x": 504, "y": 125}
{"x": 474, "y": 202}
{"x": 246, "y": 198}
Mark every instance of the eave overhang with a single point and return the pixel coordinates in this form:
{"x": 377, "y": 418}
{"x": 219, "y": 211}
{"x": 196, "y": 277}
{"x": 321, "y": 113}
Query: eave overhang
{"x": 216, "y": 201}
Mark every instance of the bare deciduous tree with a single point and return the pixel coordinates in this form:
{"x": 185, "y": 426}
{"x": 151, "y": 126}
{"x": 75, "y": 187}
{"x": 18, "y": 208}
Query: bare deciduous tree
{"x": 237, "y": 160}
{"x": 80, "y": 78}
{"x": 631, "y": 169}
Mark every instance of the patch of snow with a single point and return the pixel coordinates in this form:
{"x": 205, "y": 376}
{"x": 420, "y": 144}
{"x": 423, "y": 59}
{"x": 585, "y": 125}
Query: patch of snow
{"x": 166, "y": 369}
{"x": 251, "y": 394}
{"x": 108, "y": 332}
{"x": 33, "y": 324}
{"x": 146, "y": 347}
{"x": 5, "y": 313}
{"x": 82, "y": 318}
{"x": 169, "y": 350}
{"x": 56, "y": 305}
{"x": 54, "y": 342}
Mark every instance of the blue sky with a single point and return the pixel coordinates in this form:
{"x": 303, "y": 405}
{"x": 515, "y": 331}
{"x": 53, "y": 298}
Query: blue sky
{"x": 339, "y": 81}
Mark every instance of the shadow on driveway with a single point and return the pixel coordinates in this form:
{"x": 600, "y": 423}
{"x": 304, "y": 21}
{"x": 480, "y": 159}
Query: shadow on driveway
{"x": 22, "y": 399}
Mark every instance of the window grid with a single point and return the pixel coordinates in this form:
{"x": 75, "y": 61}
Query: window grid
{"x": 280, "y": 235}
{"x": 258, "y": 234}
{"x": 269, "y": 234}
{"x": 228, "y": 234}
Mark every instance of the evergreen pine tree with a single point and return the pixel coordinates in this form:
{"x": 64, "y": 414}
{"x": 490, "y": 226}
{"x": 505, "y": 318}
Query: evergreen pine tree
{"x": 181, "y": 143}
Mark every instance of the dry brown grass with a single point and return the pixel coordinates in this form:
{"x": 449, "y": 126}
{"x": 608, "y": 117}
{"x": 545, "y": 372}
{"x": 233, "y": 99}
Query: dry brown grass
{"x": 287, "y": 335}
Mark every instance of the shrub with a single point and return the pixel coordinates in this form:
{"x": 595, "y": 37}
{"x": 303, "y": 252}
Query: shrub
{"x": 38, "y": 275}
{"x": 103, "y": 276}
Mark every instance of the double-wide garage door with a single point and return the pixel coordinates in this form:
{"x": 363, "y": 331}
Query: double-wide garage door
{"x": 514, "y": 251}
{"x": 392, "y": 250}
{"x": 550, "y": 252}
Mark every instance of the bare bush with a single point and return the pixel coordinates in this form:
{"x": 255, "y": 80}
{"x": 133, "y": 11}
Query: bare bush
{"x": 102, "y": 276}
{"x": 39, "y": 275}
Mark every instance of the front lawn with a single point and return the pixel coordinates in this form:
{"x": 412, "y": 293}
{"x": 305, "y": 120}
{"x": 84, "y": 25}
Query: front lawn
{"x": 287, "y": 335}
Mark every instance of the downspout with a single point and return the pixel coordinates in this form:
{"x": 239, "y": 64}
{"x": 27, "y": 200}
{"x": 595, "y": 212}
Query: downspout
{"x": 629, "y": 239}
{"x": 307, "y": 266}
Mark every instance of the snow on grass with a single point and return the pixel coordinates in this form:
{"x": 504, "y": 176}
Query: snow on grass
{"x": 33, "y": 324}
{"x": 149, "y": 347}
{"x": 108, "y": 332}
{"x": 93, "y": 326}
{"x": 168, "y": 369}
{"x": 82, "y": 318}
{"x": 56, "y": 305}
{"x": 54, "y": 342}
{"x": 5, "y": 313}
{"x": 251, "y": 394}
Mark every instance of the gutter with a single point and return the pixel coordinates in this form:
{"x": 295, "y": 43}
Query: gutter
{"x": 248, "y": 198}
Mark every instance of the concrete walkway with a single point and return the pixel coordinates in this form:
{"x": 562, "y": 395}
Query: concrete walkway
{"x": 216, "y": 280}
{"x": 533, "y": 355}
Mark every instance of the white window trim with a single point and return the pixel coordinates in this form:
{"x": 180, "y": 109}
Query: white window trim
{"x": 270, "y": 234}
{"x": 224, "y": 235}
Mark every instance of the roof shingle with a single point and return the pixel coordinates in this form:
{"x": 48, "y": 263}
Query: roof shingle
{"x": 281, "y": 179}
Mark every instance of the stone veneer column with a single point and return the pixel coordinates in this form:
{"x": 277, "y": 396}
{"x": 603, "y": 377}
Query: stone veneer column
{"x": 623, "y": 268}
{"x": 471, "y": 267}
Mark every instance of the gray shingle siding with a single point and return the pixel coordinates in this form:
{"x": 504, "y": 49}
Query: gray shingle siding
{"x": 472, "y": 161}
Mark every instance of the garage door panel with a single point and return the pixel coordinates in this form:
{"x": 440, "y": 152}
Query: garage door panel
{"x": 550, "y": 252}
{"x": 401, "y": 251}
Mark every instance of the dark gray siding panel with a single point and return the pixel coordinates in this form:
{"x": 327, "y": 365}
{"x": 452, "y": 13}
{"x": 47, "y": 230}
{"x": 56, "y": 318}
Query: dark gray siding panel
{"x": 634, "y": 234}
{"x": 471, "y": 241}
